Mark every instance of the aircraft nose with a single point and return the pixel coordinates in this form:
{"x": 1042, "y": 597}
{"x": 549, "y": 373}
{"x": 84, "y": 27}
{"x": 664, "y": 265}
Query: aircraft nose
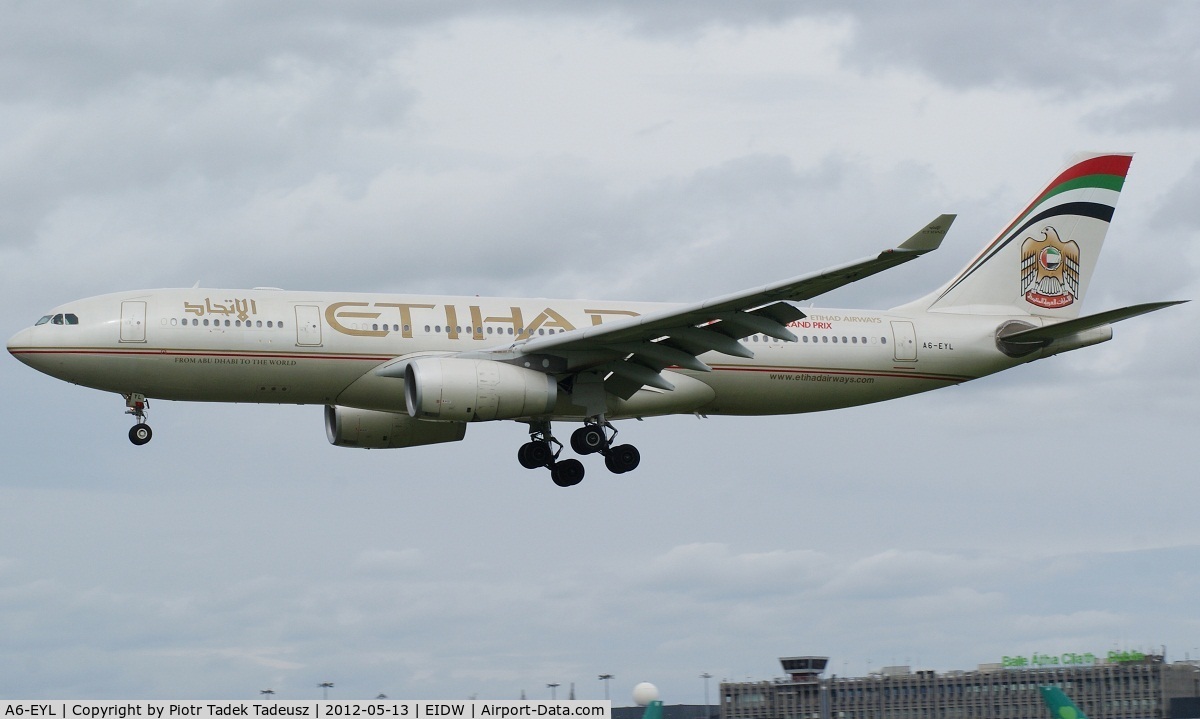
{"x": 20, "y": 341}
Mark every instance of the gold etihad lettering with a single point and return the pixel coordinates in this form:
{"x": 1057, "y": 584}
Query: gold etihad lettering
{"x": 352, "y": 318}
{"x": 242, "y": 308}
{"x": 598, "y": 315}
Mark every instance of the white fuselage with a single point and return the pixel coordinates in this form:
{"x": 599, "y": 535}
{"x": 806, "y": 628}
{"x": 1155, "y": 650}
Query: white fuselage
{"x": 322, "y": 348}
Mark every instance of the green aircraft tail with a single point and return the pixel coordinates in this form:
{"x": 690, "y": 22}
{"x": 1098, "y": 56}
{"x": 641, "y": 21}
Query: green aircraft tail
{"x": 1061, "y": 706}
{"x": 653, "y": 710}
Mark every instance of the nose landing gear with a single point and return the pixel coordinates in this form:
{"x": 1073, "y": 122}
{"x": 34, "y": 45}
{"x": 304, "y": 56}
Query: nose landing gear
{"x": 139, "y": 433}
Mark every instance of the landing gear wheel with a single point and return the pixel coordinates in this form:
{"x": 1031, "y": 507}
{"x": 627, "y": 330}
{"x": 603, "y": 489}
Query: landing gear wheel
{"x": 140, "y": 433}
{"x": 537, "y": 453}
{"x": 622, "y": 458}
{"x": 567, "y": 473}
{"x": 588, "y": 439}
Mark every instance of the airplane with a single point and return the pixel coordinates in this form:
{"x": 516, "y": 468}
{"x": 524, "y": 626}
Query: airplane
{"x": 1059, "y": 704}
{"x": 407, "y": 370}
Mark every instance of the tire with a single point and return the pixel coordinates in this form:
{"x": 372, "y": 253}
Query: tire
{"x": 622, "y": 458}
{"x": 540, "y": 453}
{"x": 588, "y": 439}
{"x": 567, "y": 473}
{"x": 140, "y": 434}
{"x": 531, "y": 457}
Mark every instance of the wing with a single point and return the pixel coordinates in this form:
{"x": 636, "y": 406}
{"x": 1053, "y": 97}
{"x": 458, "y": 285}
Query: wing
{"x": 630, "y": 354}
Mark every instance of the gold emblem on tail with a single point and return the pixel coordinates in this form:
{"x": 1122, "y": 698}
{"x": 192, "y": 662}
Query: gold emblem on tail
{"x": 1049, "y": 270}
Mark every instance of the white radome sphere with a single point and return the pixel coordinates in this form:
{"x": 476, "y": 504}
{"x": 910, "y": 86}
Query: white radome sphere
{"x": 645, "y": 693}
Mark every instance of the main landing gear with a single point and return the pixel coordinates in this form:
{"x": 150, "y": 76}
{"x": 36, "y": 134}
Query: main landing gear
{"x": 139, "y": 433}
{"x": 596, "y": 435}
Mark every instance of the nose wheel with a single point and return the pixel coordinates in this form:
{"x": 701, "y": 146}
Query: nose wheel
{"x": 140, "y": 433}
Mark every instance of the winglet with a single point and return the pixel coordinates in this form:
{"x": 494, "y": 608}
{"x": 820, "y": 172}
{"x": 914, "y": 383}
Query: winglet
{"x": 929, "y": 237}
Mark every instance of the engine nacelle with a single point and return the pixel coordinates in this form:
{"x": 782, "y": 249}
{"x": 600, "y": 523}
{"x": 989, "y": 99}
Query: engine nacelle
{"x": 469, "y": 390}
{"x": 368, "y": 429}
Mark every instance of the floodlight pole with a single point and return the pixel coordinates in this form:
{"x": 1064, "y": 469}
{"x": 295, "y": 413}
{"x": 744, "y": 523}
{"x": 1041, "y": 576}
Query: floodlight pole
{"x": 553, "y": 690}
{"x": 707, "y": 709}
{"x": 604, "y": 678}
{"x": 325, "y": 687}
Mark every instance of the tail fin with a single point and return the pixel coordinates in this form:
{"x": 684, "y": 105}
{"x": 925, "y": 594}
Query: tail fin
{"x": 1060, "y": 705}
{"x": 1042, "y": 261}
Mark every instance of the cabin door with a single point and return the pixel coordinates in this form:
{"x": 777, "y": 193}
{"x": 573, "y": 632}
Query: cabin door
{"x": 133, "y": 321}
{"x": 905, "y": 341}
{"x": 308, "y": 326}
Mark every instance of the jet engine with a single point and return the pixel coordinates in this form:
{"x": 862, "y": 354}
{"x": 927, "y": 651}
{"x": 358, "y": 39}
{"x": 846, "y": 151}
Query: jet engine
{"x": 369, "y": 429}
{"x": 469, "y": 390}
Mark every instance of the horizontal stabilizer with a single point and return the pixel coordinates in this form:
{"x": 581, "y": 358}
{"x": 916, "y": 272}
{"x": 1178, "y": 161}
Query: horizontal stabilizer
{"x": 1049, "y": 333}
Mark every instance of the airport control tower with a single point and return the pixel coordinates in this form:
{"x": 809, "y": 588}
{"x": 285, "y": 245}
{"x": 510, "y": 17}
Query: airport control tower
{"x": 804, "y": 669}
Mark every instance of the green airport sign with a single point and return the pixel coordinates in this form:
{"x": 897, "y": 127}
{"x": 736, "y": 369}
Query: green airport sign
{"x": 1038, "y": 660}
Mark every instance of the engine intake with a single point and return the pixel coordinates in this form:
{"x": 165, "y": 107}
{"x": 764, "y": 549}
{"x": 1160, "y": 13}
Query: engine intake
{"x": 369, "y": 429}
{"x": 469, "y": 390}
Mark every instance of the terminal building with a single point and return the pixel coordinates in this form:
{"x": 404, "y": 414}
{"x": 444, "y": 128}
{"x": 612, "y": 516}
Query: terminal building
{"x": 1125, "y": 686}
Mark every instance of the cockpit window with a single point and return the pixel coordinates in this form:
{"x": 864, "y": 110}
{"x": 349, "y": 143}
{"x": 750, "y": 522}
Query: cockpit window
{"x": 65, "y": 318}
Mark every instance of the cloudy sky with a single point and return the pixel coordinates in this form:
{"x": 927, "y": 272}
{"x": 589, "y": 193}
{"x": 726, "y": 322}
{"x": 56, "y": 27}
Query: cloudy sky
{"x": 659, "y": 151}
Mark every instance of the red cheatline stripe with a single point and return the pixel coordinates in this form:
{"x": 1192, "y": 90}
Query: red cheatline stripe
{"x": 853, "y": 373}
{"x": 203, "y": 353}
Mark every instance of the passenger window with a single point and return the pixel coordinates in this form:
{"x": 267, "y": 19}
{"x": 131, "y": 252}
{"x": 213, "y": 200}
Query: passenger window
{"x": 805, "y": 339}
{"x": 279, "y": 325}
{"x": 835, "y": 339}
{"x": 883, "y": 340}
{"x": 226, "y": 323}
{"x": 268, "y": 324}
{"x": 206, "y": 323}
{"x": 825, "y": 339}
